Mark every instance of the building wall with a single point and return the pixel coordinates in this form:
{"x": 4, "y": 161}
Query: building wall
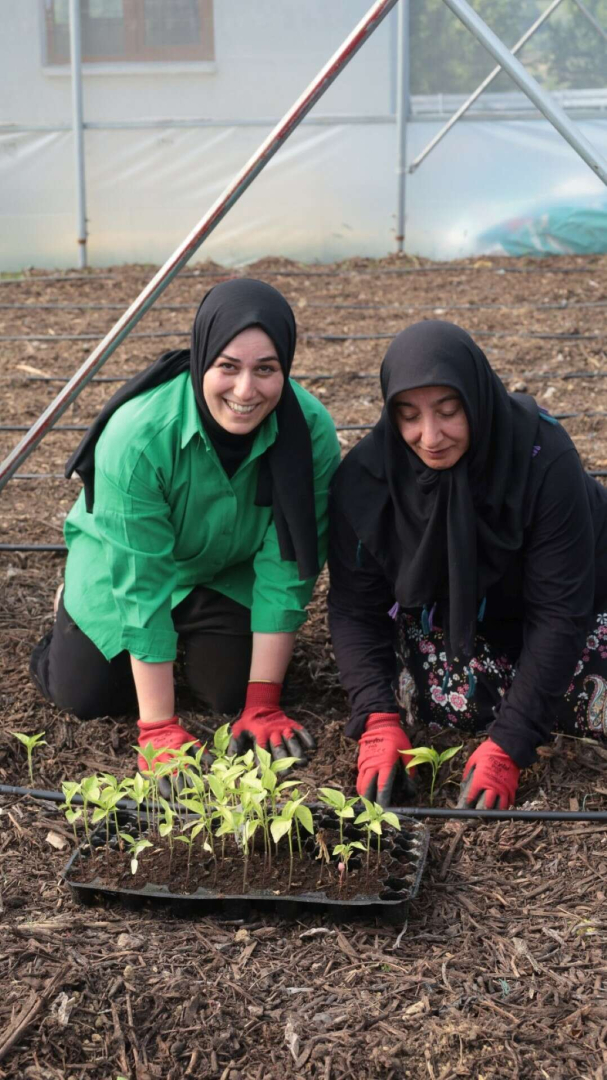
{"x": 330, "y": 192}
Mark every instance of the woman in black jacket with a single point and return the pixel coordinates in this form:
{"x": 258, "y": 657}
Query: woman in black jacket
{"x": 468, "y": 560}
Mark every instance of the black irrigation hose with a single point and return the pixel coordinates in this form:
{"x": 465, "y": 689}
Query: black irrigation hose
{"x": 63, "y": 379}
{"x": 338, "y": 427}
{"x": 371, "y": 272}
{"x": 559, "y": 305}
{"x": 60, "y": 549}
{"x": 125, "y": 378}
{"x": 41, "y": 278}
{"x": 532, "y": 335}
{"x": 402, "y": 811}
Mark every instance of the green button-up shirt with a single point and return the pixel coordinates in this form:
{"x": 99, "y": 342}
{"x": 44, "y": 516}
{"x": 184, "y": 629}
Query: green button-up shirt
{"x": 167, "y": 518}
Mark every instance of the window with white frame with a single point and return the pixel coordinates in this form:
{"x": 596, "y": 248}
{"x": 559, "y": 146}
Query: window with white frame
{"x": 124, "y": 31}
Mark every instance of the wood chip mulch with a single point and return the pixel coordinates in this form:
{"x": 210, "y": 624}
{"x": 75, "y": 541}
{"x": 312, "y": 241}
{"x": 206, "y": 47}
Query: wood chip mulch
{"x": 501, "y": 970}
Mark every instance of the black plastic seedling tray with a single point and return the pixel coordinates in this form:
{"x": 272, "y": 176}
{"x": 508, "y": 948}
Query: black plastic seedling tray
{"x": 409, "y": 847}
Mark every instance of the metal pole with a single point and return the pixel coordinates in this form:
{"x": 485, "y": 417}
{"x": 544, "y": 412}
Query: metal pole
{"x": 553, "y": 112}
{"x": 402, "y": 115}
{"x": 591, "y": 19}
{"x": 77, "y": 126}
{"x": 376, "y": 14}
{"x": 483, "y": 86}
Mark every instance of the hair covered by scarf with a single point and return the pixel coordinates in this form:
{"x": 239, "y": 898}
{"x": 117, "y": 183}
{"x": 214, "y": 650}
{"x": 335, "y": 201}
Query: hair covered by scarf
{"x": 444, "y": 535}
{"x": 286, "y": 469}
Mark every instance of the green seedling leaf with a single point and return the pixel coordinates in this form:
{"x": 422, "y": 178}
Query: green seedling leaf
{"x": 269, "y": 780}
{"x": 282, "y": 764}
{"x": 422, "y": 755}
{"x": 264, "y": 758}
{"x": 304, "y": 816}
{"x": 280, "y": 827}
{"x": 30, "y": 740}
{"x": 221, "y": 740}
{"x": 250, "y": 829}
{"x": 69, "y": 789}
{"x": 448, "y": 754}
{"x": 217, "y": 787}
{"x": 251, "y": 779}
{"x": 90, "y": 788}
{"x": 332, "y": 797}
{"x": 391, "y": 819}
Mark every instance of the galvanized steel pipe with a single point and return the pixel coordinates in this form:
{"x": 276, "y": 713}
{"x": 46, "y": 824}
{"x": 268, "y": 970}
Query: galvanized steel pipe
{"x": 204, "y": 228}
{"x": 542, "y": 100}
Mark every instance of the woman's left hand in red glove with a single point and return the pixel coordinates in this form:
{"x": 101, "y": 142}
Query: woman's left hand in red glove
{"x": 263, "y": 723}
{"x": 490, "y": 779}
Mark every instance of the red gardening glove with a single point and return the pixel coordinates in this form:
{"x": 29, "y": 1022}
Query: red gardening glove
{"x": 166, "y": 735}
{"x": 381, "y": 765}
{"x": 490, "y": 778}
{"x": 263, "y": 723}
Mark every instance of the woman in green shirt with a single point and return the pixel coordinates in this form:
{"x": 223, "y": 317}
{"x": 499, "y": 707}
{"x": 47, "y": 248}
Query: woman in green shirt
{"x": 203, "y": 520}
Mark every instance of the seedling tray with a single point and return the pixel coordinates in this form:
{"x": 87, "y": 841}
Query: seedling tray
{"x": 408, "y": 848}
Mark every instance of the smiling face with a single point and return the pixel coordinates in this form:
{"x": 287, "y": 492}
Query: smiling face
{"x": 244, "y": 383}
{"x": 432, "y": 421}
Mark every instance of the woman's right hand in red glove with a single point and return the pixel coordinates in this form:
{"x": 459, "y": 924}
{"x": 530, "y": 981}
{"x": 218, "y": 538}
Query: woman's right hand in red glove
{"x": 382, "y": 776}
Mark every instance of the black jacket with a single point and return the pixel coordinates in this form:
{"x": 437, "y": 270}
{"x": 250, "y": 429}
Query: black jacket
{"x": 538, "y": 613}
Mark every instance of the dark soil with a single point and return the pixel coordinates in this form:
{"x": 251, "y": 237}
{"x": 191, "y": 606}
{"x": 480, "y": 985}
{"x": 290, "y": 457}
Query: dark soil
{"x": 501, "y": 972}
{"x": 225, "y": 875}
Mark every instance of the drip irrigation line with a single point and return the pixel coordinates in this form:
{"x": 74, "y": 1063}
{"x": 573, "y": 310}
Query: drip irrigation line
{"x": 402, "y": 812}
{"x": 60, "y": 548}
{"x": 125, "y": 378}
{"x": 559, "y": 305}
{"x": 535, "y": 335}
{"x": 338, "y": 427}
{"x": 41, "y": 278}
{"x": 371, "y": 272}
{"x": 61, "y": 476}
{"x": 343, "y": 375}
{"x": 43, "y": 476}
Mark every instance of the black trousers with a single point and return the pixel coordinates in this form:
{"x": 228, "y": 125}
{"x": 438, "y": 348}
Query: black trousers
{"x": 214, "y": 634}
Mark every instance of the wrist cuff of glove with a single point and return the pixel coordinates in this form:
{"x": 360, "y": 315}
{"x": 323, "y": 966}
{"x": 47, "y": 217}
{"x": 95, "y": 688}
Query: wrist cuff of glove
{"x": 155, "y": 725}
{"x": 262, "y": 693}
{"x": 383, "y": 719}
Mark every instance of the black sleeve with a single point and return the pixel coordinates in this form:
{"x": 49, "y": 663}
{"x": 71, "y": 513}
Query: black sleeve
{"x": 362, "y": 631}
{"x": 558, "y": 600}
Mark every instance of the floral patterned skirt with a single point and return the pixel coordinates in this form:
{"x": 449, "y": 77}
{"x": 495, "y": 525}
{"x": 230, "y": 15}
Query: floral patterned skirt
{"x": 427, "y": 697}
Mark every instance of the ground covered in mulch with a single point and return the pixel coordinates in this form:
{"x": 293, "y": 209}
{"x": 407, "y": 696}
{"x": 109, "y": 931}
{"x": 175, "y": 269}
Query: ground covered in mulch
{"x": 501, "y": 971}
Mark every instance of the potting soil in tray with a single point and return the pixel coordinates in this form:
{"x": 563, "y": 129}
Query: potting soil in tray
{"x": 211, "y": 885}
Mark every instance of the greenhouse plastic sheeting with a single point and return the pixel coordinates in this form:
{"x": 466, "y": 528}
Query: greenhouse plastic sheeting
{"x": 330, "y": 193}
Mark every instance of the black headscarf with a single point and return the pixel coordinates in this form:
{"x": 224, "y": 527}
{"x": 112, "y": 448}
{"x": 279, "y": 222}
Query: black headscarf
{"x": 286, "y": 470}
{"x": 444, "y": 535}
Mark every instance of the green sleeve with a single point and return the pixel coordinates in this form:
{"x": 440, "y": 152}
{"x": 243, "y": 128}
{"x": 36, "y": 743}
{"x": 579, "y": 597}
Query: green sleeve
{"x": 279, "y": 596}
{"x": 132, "y": 517}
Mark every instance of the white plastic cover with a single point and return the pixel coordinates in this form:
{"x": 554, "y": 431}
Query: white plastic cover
{"x": 330, "y": 192}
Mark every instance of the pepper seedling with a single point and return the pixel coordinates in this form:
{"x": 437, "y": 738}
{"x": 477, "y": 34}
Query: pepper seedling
{"x": 427, "y": 755}
{"x": 342, "y": 807}
{"x": 69, "y": 789}
{"x": 135, "y": 846}
{"x": 372, "y": 818}
{"x": 30, "y": 742}
{"x": 346, "y": 851}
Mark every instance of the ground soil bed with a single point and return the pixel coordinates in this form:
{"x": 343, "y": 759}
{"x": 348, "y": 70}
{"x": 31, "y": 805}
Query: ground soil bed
{"x": 501, "y": 972}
